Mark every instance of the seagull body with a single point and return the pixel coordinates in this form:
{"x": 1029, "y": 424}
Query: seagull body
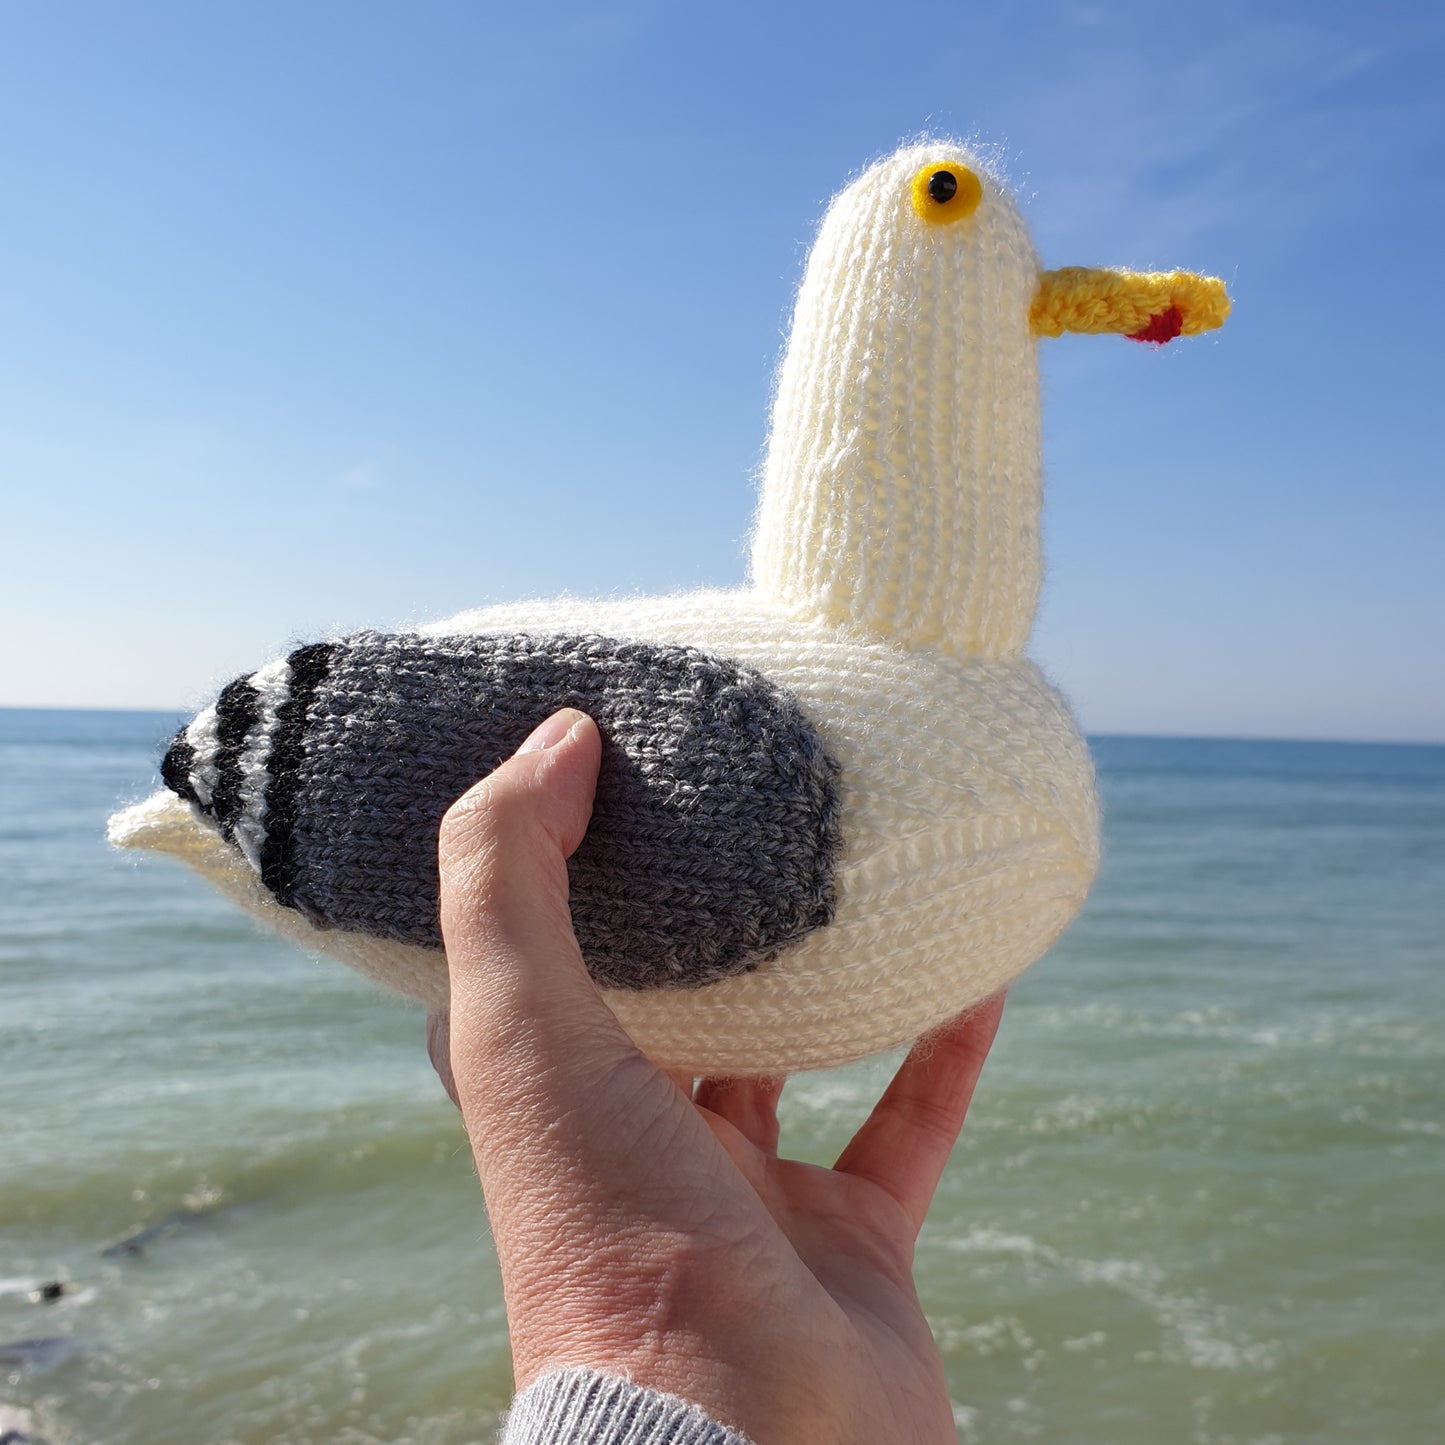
{"x": 843, "y": 805}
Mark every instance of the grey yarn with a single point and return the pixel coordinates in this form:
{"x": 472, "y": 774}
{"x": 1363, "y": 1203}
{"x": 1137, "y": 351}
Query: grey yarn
{"x": 714, "y": 835}
{"x": 583, "y": 1407}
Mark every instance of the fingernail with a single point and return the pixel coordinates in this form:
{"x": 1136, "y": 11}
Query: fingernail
{"x": 551, "y": 732}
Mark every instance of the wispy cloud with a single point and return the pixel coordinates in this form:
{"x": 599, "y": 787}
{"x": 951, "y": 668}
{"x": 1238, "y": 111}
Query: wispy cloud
{"x": 368, "y": 475}
{"x": 1254, "y": 120}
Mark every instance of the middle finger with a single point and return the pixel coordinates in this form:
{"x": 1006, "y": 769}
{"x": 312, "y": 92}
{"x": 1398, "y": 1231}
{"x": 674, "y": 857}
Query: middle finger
{"x": 749, "y": 1105}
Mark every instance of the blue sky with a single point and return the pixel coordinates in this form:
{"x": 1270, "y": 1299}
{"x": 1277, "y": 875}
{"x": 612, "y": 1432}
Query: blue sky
{"x": 329, "y": 315}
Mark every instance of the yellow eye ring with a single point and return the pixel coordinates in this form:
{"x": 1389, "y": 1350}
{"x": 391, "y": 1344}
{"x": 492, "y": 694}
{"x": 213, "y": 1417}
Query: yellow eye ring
{"x": 946, "y": 192}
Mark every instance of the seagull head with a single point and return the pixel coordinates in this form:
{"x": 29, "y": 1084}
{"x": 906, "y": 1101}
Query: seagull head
{"x": 901, "y": 489}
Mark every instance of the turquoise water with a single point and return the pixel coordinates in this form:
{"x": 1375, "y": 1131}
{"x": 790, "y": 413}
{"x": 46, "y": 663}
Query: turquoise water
{"x": 1200, "y": 1197}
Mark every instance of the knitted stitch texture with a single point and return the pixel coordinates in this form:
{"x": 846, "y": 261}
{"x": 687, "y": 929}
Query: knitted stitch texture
{"x": 902, "y": 487}
{"x": 713, "y": 835}
{"x": 967, "y": 817}
{"x": 895, "y": 573}
{"x": 581, "y": 1407}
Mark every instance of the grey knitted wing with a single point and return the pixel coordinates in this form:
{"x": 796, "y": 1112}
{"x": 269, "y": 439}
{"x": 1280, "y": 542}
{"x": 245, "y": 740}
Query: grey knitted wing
{"x": 712, "y": 844}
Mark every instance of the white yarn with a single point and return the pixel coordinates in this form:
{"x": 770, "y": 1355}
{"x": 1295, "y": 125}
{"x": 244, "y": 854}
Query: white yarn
{"x": 902, "y": 485}
{"x": 895, "y": 575}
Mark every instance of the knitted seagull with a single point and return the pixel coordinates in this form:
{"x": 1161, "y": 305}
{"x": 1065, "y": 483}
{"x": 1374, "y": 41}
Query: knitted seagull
{"x": 837, "y": 807}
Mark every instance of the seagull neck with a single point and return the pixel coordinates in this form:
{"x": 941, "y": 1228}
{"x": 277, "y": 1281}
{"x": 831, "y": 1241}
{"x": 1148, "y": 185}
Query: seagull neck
{"x": 904, "y": 512}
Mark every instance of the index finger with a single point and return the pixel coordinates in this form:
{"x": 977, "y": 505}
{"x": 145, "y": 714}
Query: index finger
{"x": 905, "y": 1142}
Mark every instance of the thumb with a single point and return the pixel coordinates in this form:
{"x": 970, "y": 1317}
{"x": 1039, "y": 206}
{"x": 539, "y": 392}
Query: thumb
{"x": 518, "y": 982}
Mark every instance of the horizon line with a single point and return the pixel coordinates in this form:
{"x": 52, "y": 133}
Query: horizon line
{"x": 1089, "y": 734}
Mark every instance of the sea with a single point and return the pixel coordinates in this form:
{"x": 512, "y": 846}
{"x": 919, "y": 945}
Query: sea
{"x": 1200, "y": 1197}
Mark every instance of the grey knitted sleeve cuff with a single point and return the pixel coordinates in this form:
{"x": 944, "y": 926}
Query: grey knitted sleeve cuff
{"x": 581, "y": 1407}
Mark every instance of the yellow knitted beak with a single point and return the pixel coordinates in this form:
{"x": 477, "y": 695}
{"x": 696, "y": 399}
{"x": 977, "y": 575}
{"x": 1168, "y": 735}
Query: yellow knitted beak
{"x": 1142, "y": 305}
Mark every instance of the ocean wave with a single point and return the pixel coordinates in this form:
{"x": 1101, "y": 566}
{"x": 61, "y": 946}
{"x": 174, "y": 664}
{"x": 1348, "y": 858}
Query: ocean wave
{"x": 1321, "y": 1029}
{"x": 1193, "y": 1331}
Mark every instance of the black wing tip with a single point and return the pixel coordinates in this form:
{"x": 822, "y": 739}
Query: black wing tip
{"x": 176, "y": 768}
{"x": 309, "y": 666}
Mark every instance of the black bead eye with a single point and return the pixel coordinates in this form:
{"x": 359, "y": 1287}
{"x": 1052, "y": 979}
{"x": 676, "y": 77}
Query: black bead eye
{"x": 943, "y": 194}
{"x": 942, "y": 186}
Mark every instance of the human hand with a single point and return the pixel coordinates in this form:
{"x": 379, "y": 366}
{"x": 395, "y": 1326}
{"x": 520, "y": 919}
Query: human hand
{"x": 649, "y": 1230}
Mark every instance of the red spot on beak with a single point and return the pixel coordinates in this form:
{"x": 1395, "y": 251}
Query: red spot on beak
{"x": 1161, "y": 328}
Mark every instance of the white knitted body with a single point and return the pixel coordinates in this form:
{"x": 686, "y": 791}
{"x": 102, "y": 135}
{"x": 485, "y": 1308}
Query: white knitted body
{"x": 969, "y": 825}
{"x": 896, "y": 572}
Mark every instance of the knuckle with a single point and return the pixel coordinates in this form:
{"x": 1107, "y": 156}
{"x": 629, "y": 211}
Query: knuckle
{"x": 482, "y": 815}
{"x": 468, "y": 813}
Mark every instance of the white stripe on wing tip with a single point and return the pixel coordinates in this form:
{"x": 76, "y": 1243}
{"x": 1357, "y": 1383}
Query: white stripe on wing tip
{"x": 273, "y": 686}
{"x": 205, "y": 750}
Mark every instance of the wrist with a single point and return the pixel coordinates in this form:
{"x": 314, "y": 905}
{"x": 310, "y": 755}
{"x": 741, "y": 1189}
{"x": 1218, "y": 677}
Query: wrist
{"x": 591, "y": 1407}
